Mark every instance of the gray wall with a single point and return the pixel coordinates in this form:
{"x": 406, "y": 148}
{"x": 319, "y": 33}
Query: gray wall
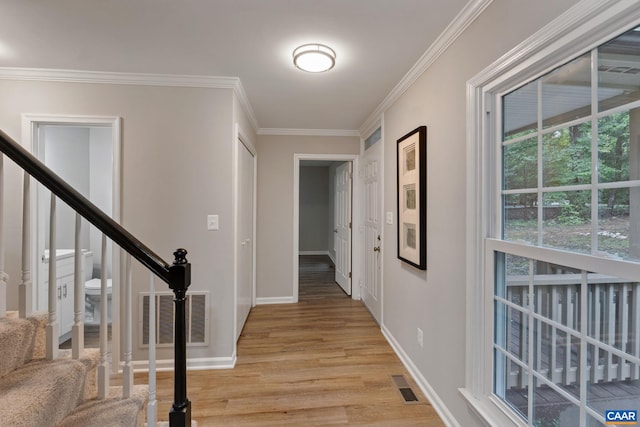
{"x": 314, "y": 209}
{"x": 177, "y": 168}
{"x": 82, "y": 156}
{"x": 275, "y": 205}
{"x": 101, "y": 188}
{"x": 66, "y": 151}
{"x": 434, "y": 300}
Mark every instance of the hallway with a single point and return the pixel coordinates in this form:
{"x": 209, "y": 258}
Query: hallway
{"x": 322, "y": 361}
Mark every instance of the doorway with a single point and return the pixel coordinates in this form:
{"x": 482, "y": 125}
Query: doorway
{"x": 85, "y": 152}
{"x": 245, "y": 232}
{"x": 331, "y": 233}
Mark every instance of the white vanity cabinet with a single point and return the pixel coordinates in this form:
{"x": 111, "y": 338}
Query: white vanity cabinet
{"x": 65, "y": 270}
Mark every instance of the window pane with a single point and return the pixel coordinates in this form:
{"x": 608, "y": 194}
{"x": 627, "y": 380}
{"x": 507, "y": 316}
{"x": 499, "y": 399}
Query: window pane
{"x": 521, "y": 217}
{"x": 615, "y": 234}
{"x": 373, "y": 138}
{"x": 566, "y": 156}
{"x": 520, "y": 111}
{"x": 567, "y": 220}
{"x": 520, "y": 164}
{"x": 509, "y": 385}
{"x": 592, "y": 422}
{"x": 557, "y": 298}
{"x": 566, "y": 92}
{"x": 551, "y": 409}
{"x": 612, "y": 379}
{"x": 619, "y": 71}
{"x": 613, "y": 148}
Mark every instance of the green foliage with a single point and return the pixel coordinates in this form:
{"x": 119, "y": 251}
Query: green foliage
{"x": 567, "y": 160}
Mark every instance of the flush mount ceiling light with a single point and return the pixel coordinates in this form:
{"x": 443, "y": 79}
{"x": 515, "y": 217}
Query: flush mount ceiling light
{"x": 314, "y": 58}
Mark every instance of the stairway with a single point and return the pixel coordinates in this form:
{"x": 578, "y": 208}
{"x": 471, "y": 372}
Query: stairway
{"x": 59, "y": 393}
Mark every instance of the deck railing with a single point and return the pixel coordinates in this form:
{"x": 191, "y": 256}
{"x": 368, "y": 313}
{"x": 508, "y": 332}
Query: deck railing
{"x": 613, "y": 330}
{"x": 177, "y": 275}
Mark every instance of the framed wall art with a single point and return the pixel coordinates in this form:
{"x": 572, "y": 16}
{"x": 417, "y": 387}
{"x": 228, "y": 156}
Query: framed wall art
{"x": 412, "y": 198}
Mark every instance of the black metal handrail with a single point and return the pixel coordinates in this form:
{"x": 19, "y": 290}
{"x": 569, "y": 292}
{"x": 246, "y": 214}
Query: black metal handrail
{"x": 177, "y": 275}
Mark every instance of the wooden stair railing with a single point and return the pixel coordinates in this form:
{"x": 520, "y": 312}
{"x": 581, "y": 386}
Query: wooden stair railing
{"x": 177, "y": 275}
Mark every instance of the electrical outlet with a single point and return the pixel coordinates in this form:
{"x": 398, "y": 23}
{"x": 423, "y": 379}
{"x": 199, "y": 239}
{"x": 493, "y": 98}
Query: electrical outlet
{"x": 420, "y": 338}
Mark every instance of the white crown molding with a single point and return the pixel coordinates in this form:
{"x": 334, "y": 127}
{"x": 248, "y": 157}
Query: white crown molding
{"x": 145, "y": 79}
{"x": 545, "y": 41}
{"x": 467, "y": 15}
{"x": 308, "y": 132}
{"x": 238, "y": 89}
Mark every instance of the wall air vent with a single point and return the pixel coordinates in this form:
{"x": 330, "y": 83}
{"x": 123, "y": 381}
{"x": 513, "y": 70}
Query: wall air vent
{"x": 197, "y": 319}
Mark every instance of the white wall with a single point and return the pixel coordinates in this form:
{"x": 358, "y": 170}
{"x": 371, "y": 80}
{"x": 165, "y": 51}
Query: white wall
{"x": 177, "y": 168}
{"x": 65, "y": 150}
{"x": 101, "y": 188}
{"x": 314, "y": 209}
{"x": 434, "y": 300}
{"x": 82, "y": 156}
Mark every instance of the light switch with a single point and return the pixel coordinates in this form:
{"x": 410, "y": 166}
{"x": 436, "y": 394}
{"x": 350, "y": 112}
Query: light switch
{"x": 212, "y": 222}
{"x": 389, "y": 218}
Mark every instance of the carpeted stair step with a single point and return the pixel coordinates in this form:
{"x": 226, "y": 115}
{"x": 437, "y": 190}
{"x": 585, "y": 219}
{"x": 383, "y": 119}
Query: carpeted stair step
{"x": 111, "y": 412}
{"x": 21, "y": 340}
{"x": 43, "y": 392}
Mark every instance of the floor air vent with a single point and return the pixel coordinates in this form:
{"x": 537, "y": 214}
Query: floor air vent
{"x": 407, "y": 394}
{"x": 196, "y": 314}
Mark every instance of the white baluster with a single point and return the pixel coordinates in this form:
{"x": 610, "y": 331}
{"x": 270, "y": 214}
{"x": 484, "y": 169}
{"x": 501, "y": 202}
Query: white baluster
{"x": 24, "y": 290}
{"x": 538, "y": 341}
{"x": 524, "y": 335}
{"x": 555, "y": 315}
{"x": 511, "y": 367}
{"x": 127, "y": 369}
{"x": 152, "y": 406}
{"x": 103, "y": 368}
{"x": 610, "y": 316}
{"x": 3, "y": 275}
{"x": 78, "y": 295}
{"x": 569, "y": 315}
{"x": 635, "y": 316}
{"x": 53, "y": 328}
{"x": 597, "y": 334}
{"x": 623, "y": 329}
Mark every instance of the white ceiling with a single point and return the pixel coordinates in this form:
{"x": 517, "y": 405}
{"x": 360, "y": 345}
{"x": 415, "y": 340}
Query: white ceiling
{"x": 377, "y": 42}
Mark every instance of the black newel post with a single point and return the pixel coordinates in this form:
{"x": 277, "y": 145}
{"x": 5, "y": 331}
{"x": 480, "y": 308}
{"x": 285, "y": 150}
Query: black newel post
{"x": 180, "y": 275}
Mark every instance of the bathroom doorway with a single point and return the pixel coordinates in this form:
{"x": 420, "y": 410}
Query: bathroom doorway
{"x": 85, "y": 152}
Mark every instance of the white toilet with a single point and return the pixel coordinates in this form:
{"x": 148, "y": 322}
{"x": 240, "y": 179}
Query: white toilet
{"x": 92, "y": 294}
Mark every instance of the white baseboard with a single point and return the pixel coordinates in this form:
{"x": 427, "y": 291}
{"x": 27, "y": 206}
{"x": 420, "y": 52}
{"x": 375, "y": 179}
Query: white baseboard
{"x": 275, "y": 300}
{"x": 333, "y": 258}
{"x": 193, "y": 364}
{"x": 313, "y": 253}
{"x": 442, "y": 410}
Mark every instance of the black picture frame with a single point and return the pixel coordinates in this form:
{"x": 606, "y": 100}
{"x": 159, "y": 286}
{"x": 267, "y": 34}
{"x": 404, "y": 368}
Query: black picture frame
{"x": 412, "y": 197}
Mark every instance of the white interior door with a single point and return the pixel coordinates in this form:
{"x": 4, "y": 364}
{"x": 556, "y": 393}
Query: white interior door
{"x": 342, "y": 231}
{"x": 372, "y": 209}
{"x": 245, "y": 234}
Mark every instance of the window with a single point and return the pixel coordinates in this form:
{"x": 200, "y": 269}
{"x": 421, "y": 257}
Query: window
{"x": 558, "y": 241}
{"x": 567, "y": 338}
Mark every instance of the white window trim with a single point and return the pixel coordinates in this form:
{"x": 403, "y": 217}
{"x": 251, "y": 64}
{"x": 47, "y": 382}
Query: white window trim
{"x": 586, "y": 25}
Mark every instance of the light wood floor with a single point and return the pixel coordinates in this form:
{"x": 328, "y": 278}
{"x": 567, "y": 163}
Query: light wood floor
{"x": 320, "y": 362}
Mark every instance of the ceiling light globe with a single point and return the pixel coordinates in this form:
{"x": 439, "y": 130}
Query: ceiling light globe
{"x": 314, "y": 58}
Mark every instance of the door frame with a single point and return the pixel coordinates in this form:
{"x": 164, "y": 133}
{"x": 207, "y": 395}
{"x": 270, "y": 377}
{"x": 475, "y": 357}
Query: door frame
{"x": 242, "y": 137}
{"x": 30, "y": 138}
{"x": 355, "y": 217}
